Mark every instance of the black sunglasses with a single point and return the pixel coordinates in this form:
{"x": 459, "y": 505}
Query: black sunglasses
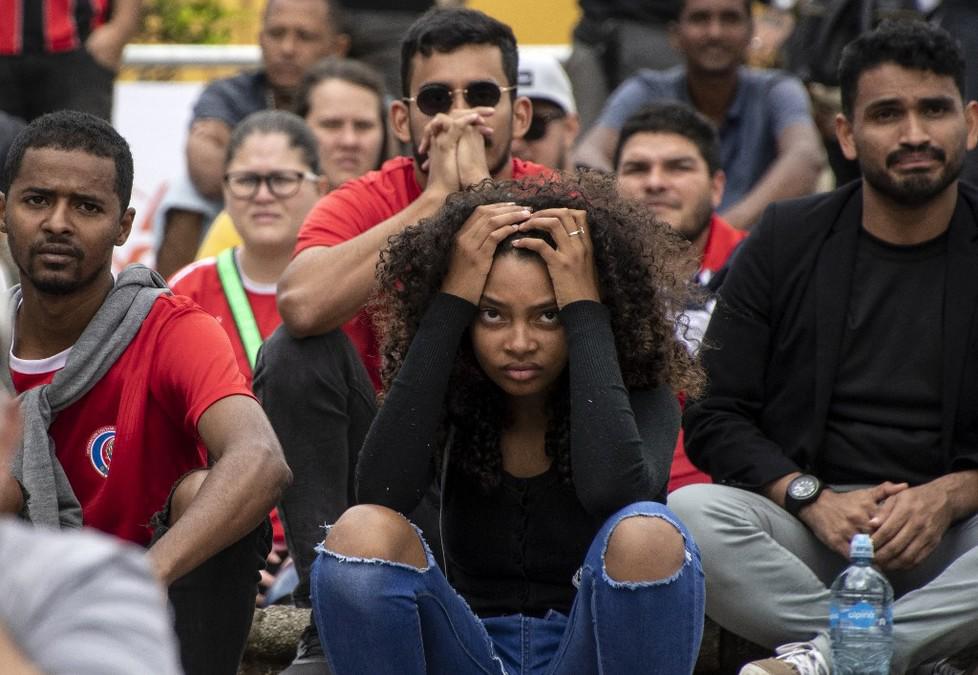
{"x": 438, "y": 98}
{"x": 539, "y": 123}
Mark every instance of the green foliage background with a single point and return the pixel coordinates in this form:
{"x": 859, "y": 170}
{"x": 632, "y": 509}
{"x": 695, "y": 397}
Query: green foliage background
{"x": 200, "y": 22}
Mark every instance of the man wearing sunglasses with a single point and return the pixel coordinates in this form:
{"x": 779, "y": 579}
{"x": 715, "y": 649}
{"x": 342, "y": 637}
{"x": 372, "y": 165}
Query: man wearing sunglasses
{"x": 459, "y": 111}
{"x": 554, "y": 125}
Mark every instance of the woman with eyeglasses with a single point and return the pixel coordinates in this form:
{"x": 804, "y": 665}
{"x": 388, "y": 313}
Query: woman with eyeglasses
{"x": 530, "y": 365}
{"x": 271, "y": 181}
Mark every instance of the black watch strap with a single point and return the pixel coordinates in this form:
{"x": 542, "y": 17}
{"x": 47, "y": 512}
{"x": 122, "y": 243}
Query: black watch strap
{"x": 802, "y": 491}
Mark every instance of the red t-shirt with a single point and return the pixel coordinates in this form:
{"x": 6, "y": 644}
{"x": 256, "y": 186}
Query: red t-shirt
{"x": 721, "y": 241}
{"x": 122, "y": 481}
{"x": 199, "y": 282}
{"x": 358, "y": 205}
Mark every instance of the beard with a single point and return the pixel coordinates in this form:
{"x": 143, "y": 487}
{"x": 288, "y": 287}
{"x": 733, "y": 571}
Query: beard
{"x": 64, "y": 281}
{"x": 699, "y": 220}
{"x": 914, "y": 189}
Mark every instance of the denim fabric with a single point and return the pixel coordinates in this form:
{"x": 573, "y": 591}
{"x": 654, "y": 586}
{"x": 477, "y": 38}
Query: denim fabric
{"x": 375, "y": 615}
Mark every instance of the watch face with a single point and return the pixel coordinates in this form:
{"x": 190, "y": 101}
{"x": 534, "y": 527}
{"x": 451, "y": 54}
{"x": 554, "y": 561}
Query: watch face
{"x": 803, "y": 487}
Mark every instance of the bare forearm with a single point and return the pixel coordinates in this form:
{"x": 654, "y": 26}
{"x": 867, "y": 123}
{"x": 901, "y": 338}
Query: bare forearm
{"x": 775, "y": 490}
{"x": 596, "y": 148}
{"x": 793, "y": 174}
{"x": 206, "y": 147}
{"x": 324, "y": 287}
{"x": 181, "y": 237}
{"x": 237, "y": 494}
{"x": 125, "y": 16}
{"x": 961, "y": 490}
{"x": 13, "y": 659}
{"x": 11, "y": 495}
{"x": 204, "y": 163}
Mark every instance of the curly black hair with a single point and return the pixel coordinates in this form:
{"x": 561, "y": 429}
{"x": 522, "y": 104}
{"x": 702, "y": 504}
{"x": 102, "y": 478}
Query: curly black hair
{"x": 643, "y": 270}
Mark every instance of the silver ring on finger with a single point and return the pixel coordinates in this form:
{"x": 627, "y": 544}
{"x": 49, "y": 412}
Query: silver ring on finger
{"x": 576, "y": 232}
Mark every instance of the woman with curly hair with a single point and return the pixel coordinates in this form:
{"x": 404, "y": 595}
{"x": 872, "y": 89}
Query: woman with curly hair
{"x": 530, "y": 366}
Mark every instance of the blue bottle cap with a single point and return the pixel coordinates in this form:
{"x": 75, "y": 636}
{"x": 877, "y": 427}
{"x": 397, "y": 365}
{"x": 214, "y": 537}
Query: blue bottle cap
{"x": 861, "y": 546}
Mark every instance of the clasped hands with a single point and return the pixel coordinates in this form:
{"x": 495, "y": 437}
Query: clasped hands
{"x": 453, "y": 146}
{"x": 906, "y": 523}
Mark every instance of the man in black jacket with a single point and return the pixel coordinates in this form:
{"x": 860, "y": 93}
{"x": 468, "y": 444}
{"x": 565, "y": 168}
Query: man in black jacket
{"x": 843, "y": 393}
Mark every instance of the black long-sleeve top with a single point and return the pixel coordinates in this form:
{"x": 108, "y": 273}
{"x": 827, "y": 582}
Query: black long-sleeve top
{"x": 515, "y": 549}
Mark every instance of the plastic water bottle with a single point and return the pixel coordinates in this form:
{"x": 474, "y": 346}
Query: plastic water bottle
{"x": 861, "y": 615}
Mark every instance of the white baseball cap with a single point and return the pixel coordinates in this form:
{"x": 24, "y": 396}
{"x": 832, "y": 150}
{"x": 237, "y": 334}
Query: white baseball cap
{"x": 541, "y": 76}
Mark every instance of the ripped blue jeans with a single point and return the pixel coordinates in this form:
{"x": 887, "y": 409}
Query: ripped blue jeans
{"x": 376, "y": 616}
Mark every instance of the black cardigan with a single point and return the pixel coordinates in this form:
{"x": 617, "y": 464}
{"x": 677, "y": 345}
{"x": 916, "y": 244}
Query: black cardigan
{"x": 773, "y": 344}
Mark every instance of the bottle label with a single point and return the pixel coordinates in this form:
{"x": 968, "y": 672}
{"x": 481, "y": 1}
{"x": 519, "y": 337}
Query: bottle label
{"x": 861, "y": 615}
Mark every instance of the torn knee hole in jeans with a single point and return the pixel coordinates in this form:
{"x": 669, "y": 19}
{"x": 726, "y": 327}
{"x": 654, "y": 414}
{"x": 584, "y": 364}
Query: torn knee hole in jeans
{"x": 343, "y": 558}
{"x": 688, "y": 558}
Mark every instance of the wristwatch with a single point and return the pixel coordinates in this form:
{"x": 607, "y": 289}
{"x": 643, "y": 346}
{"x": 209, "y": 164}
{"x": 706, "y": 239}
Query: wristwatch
{"x": 801, "y": 491}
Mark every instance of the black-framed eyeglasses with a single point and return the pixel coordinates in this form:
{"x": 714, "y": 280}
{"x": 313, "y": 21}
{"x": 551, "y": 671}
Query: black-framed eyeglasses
{"x": 437, "y": 98}
{"x": 282, "y": 184}
{"x": 539, "y": 123}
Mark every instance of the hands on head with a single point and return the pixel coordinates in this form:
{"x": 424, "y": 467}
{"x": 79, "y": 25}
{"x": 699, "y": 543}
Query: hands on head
{"x": 570, "y": 265}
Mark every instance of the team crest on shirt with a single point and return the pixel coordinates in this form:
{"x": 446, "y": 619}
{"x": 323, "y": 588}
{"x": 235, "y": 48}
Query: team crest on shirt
{"x": 100, "y": 446}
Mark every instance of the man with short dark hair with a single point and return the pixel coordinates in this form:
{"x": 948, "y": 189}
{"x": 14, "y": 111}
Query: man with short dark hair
{"x": 843, "y": 386}
{"x": 137, "y": 420}
{"x": 294, "y": 35}
{"x": 460, "y": 111}
{"x": 668, "y": 158}
{"x": 770, "y": 148}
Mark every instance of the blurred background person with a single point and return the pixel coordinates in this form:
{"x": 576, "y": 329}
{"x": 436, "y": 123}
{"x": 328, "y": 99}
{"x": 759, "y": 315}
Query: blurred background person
{"x": 769, "y": 145}
{"x": 62, "y": 55}
{"x": 613, "y": 40}
{"x": 271, "y": 181}
{"x": 668, "y": 159}
{"x": 294, "y": 35}
{"x": 376, "y": 28}
{"x": 343, "y": 102}
{"x": 554, "y": 124}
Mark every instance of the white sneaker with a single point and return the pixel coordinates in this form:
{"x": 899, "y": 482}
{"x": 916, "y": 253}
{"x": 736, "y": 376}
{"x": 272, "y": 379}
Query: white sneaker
{"x": 796, "y": 658}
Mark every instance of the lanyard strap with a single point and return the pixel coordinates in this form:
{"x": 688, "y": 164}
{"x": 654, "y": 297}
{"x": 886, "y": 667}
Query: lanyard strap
{"x": 244, "y": 318}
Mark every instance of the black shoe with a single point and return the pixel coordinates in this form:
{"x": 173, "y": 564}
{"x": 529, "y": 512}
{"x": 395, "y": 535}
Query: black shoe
{"x": 309, "y": 657}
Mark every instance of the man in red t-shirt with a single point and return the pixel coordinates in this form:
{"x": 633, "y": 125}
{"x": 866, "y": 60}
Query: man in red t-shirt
{"x": 460, "y": 111}
{"x": 668, "y": 158}
{"x": 161, "y": 442}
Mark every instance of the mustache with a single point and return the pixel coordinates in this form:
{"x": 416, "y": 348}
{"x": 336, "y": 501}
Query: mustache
{"x": 58, "y": 246}
{"x": 931, "y": 151}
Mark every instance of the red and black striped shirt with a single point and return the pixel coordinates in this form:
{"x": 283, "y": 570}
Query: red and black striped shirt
{"x": 48, "y": 26}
